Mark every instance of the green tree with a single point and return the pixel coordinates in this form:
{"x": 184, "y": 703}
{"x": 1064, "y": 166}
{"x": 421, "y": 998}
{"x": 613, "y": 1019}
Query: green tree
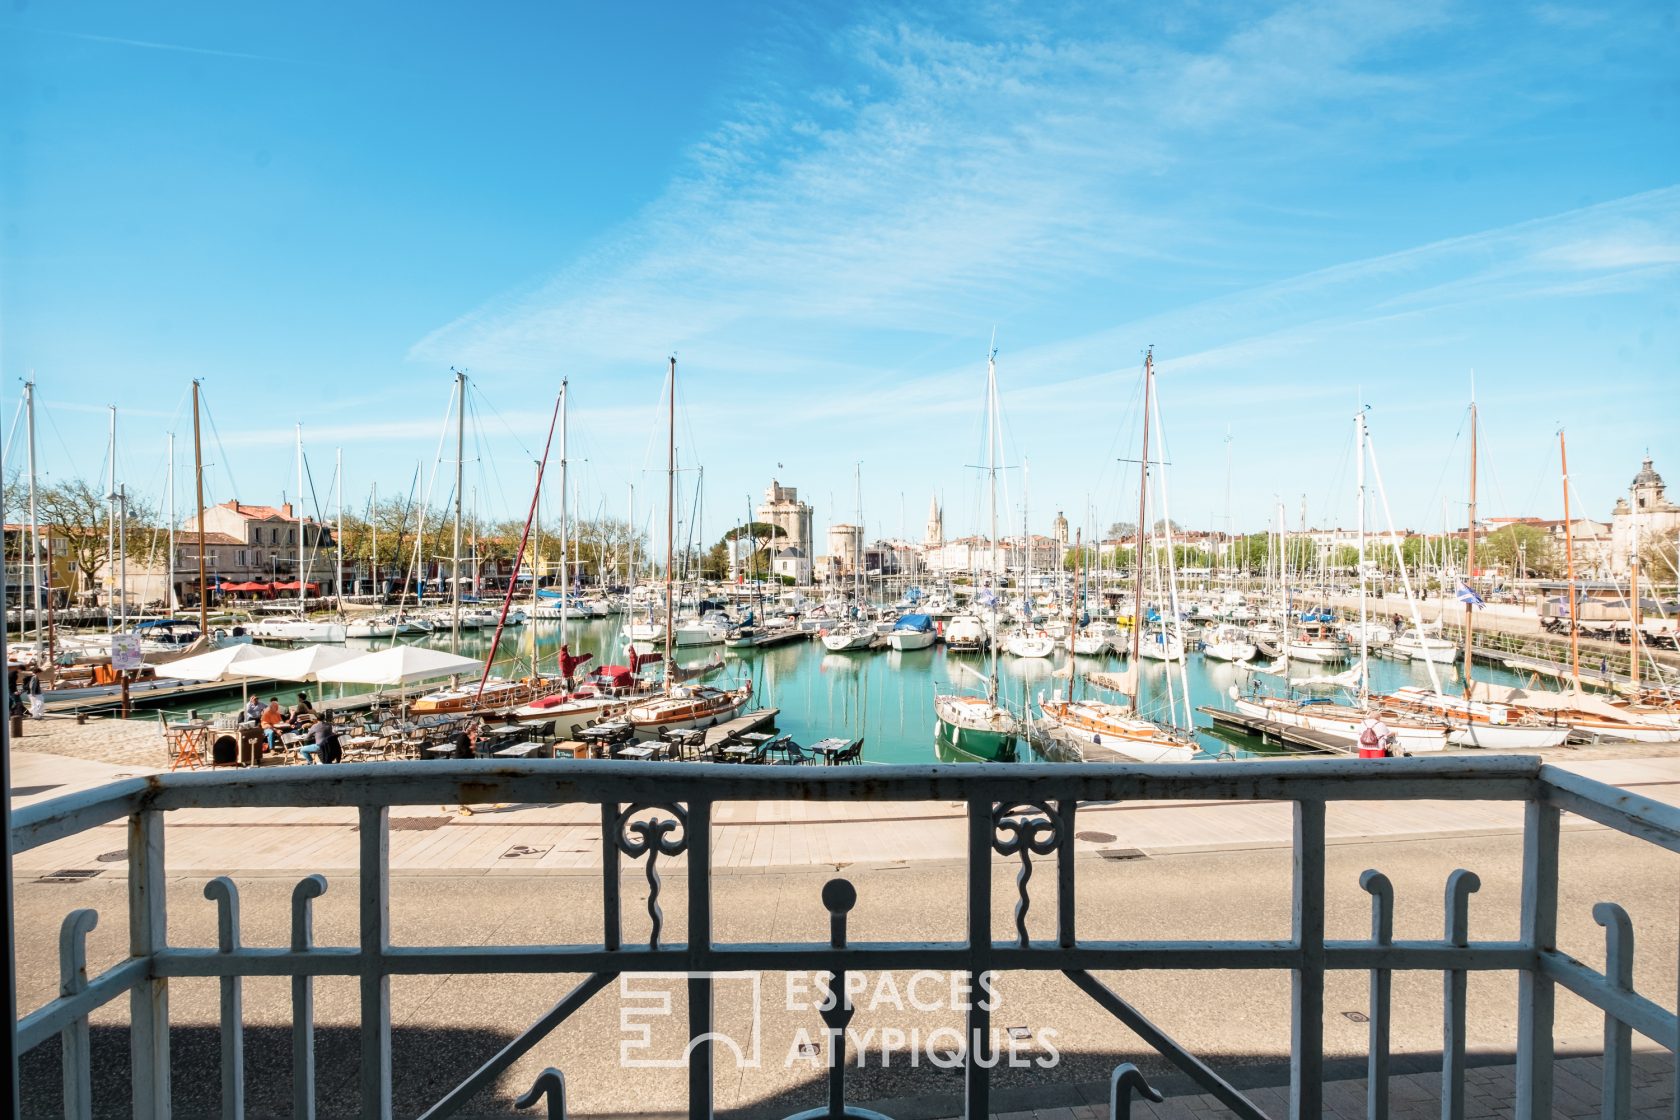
{"x": 76, "y": 513}
{"x": 1513, "y": 546}
{"x": 1075, "y": 559}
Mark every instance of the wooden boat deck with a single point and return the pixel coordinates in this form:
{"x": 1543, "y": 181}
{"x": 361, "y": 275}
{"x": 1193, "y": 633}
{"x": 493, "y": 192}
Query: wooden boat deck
{"x": 740, "y": 725}
{"x": 1271, "y": 731}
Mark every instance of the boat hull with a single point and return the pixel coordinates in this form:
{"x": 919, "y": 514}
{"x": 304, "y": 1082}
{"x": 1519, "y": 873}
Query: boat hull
{"x": 910, "y": 639}
{"x": 1412, "y": 740}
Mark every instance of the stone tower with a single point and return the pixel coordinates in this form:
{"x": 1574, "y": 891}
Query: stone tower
{"x": 935, "y": 524}
{"x": 1061, "y": 529}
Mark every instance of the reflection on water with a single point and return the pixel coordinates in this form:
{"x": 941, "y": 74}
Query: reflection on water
{"x": 886, "y": 696}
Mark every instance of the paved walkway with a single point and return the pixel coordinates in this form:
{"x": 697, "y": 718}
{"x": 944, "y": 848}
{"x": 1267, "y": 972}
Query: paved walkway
{"x": 1489, "y": 1095}
{"x": 747, "y": 835}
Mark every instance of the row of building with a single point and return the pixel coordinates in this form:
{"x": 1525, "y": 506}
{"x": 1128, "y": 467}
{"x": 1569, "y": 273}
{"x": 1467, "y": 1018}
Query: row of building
{"x": 248, "y": 545}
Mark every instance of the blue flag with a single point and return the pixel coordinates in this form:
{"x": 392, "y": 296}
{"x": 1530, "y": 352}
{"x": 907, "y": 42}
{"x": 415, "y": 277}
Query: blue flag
{"x": 1467, "y": 596}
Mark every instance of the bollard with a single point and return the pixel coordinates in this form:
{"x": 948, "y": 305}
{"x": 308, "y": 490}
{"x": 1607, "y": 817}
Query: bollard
{"x": 17, "y": 727}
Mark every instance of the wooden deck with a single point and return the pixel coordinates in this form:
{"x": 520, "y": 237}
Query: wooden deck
{"x": 740, "y": 725}
{"x": 1288, "y": 735}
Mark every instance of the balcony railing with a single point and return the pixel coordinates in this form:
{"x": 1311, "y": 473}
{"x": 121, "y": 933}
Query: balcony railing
{"x": 1022, "y": 815}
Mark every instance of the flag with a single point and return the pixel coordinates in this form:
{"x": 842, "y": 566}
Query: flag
{"x": 1468, "y": 597}
{"x": 987, "y": 598}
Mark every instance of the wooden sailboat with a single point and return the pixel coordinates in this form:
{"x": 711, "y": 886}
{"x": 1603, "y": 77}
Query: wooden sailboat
{"x": 1586, "y": 713}
{"x": 680, "y": 706}
{"x": 1096, "y": 727}
{"x": 1472, "y": 722}
{"x": 1415, "y": 733}
{"x": 970, "y": 727}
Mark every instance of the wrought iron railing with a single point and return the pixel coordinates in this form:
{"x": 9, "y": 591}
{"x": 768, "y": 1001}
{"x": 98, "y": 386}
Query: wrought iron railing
{"x": 1015, "y": 813}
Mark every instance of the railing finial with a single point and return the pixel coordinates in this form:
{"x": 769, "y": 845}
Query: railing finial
{"x": 550, "y": 1083}
{"x": 1128, "y": 1077}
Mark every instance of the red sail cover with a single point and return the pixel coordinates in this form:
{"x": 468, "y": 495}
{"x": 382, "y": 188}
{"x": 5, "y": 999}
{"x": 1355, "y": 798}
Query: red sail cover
{"x": 568, "y": 663}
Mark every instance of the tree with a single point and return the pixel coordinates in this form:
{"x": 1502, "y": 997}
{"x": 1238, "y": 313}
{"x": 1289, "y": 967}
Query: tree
{"x": 1121, "y": 529}
{"x": 1077, "y": 558}
{"x": 761, "y": 537}
{"x": 1659, "y": 564}
{"x": 1345, "y": 558}
{"x": 76, "y": 513}
{"x": 1518, "y": 549}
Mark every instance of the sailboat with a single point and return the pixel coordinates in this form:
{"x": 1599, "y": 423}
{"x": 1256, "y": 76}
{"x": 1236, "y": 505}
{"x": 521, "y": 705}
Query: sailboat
{"x": 1413, "y": 732}
{"x": 300, "y": 627}
{"x": 494, "y": 693}
{"x": 1226, "y": 641}
{"x": 1103, "y": 726}
{"x": 853, "y": 634}
{"x": 967, "y": 725}
{"x": 1584, "y": 713}
{"x": 680, "y": 706}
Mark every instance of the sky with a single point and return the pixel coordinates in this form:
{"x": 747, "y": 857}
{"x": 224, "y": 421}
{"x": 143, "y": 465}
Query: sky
{"x": 830, "y": 214}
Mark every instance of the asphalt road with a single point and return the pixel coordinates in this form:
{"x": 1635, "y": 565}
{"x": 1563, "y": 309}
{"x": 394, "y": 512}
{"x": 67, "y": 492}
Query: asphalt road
{"x": 443, "y": 1027}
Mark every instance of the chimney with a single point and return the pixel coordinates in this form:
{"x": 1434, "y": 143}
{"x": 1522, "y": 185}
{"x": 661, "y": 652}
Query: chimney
{"x": 286, "y": 510}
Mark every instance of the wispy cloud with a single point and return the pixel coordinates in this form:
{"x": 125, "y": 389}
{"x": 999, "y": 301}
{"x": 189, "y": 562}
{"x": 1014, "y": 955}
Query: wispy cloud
{"x": 941, "y": 175}
{"x": 149, "y": 45}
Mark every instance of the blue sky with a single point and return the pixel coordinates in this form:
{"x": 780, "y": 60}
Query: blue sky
{"x": 826, "y": 211}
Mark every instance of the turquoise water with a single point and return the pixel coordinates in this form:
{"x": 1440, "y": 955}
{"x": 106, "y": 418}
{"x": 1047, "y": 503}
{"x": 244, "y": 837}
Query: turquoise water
{"x": 886, "y": 696}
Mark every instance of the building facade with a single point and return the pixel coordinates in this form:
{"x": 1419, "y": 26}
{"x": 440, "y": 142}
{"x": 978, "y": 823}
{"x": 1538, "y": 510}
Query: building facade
{"x": 1644, "y": 516}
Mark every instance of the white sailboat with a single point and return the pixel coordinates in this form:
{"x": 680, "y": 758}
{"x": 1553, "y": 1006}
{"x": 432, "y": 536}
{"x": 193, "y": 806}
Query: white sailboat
{"x": 971, "y": 726}
{"x": 1095, "y": 727}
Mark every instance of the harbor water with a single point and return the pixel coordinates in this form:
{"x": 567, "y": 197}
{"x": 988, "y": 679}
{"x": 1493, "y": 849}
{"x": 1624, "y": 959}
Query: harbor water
{"x": 886, "y": 696}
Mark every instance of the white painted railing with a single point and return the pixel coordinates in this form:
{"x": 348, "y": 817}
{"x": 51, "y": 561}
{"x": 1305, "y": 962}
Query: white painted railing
{"x": 1013, "y": 812}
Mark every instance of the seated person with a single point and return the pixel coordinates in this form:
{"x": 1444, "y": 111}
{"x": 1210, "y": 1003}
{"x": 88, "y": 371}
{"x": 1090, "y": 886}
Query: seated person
{"x": 304, "y": 707}
{"x": 323, "y": 744}
{"x": 253, "y": 711}
{"x": 273, "y": 722}
{"x": 466, "y": 740}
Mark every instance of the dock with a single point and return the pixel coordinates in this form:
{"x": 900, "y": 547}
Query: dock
{"x": 150, "y": 695}
{"x": 1284, "y": 734}
{"x": 740, "y": 725}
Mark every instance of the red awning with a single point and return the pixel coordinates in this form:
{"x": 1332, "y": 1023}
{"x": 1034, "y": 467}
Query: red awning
{"x": 293, "y": 586}
{"x": 245, "y": 587}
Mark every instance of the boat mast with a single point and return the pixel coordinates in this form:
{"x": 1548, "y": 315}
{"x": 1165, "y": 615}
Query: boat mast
{"x": 198, "y": 483}
{"x": 169, "y": 594}
{"x": 373, "y": 553}
{"x": 991, "y": 470}
{"x": 338, "y": 497}
{"x": 1143, "y": 507}
{"x": 34, "y": 519}
{"x": 857, "y": 575}
{"x": 1633, "y": 608}
{"x": 536, "y": 556}
{"x": 1569, "y": 557}
{"x": 301, "y": 603}
{"x": 1364, "y": 635}
{"x": 455, "y": 554}
{"x": 1026, "y": 543}
{"x": 565, "y": 527}
{"x": 670, "y": 515}
{"x": 1470, "y": 555}
{"x": 111, "y": 525}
